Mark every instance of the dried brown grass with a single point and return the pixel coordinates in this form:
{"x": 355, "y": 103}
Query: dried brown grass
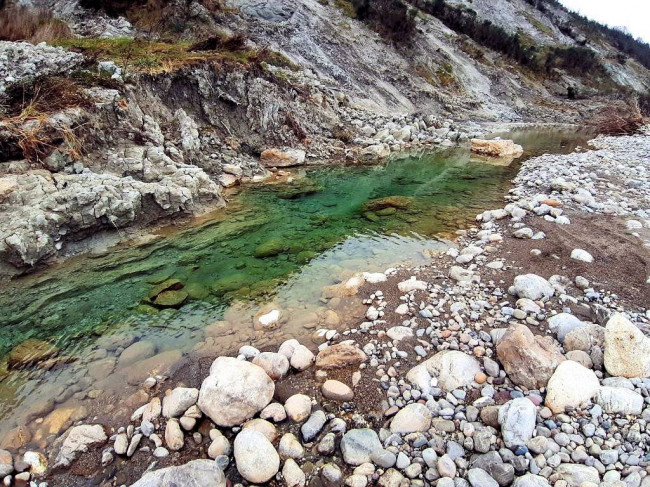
{"x": 28, "y": 109}
{"x": 618, "y": 118}
{"x": 31, "y": 24}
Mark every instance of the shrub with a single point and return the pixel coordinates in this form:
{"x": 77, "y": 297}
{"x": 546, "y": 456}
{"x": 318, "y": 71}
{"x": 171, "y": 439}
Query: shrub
{"x": 221, "y": 41}
{"x": 465, "y": 21}
{"x": 113, "y": 8}
{"x": 644, "y": 104}
{"x": 392, "y": 19}
{"x": 580, "y": 60}
{"x": 30, "y": 24}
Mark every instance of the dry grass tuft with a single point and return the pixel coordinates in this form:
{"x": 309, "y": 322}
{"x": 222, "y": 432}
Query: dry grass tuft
{"x": 31, "y": 24}
{"x": 27, "y": 110}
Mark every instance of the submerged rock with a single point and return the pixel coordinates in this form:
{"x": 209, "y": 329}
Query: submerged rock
{"x": 396, "y": 202}
{"x": 270, "y": 248}
{"x": 167, "y": 285}
{"x": 31, "y": 351}
{"x": 171, "y": 299}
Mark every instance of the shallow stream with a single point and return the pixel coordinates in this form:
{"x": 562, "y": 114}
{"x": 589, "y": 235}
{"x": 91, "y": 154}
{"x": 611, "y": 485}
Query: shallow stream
{"x": 275, "y": 246}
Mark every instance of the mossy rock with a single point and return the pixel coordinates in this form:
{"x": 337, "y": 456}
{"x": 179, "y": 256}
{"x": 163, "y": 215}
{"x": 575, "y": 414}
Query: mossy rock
{"x": 171, "y": 299}
{"x": 298, "y": 189}
{"x": 145, "y": 309}
{"x": 264, "y": 287}
{"x": 295, "y": 248}
{"x": 397, "y": 202}
{"x": 196, "y": 290}
{"x": 270, "y": 248}
{"x": 168, "y": 285}
{"x": 305, "y": 256}
{"x": 230, "y": 283}
{"x": 386, "y": 211}
{"x": 370, "y": 216}
{"x": 160, "y": 278}
{"x": 30, "y": 352}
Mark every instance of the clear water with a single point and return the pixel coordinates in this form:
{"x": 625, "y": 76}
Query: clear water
{"x": 317, "y": 225}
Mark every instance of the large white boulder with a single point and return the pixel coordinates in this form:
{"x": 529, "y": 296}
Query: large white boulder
{"x": 619, "y": 400}
{"x": 453, "y": 369}
{"x": 533, "y": 287}
{"x": 234, "y": 391}
{"x": 627, "y": 349}
{"x": 571, "y": 385}
{"x": 256, "y": 458}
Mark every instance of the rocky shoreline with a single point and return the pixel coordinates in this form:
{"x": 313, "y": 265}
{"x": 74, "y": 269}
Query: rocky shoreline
{"x": 518, "y": 358}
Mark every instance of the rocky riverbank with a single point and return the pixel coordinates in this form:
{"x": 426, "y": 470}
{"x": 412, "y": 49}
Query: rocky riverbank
{"x": 518, "y": 358}
{"x": 122, "y": 152}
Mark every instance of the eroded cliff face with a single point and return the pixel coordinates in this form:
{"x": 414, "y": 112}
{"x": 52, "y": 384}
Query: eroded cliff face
{"x": 143, "y": 144}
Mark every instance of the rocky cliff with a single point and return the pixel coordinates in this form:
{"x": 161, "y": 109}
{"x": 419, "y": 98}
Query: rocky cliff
{"x": 132, "y": 113}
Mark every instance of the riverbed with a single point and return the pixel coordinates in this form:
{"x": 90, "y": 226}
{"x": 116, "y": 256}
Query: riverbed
{"x": 275, "y": 247}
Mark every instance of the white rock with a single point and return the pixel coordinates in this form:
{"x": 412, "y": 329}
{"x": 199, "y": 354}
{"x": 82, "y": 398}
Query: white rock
{"x": 358, "y": 445}
{"x": 248, "y": 352}
{"x": 571, "y": 385}
{"x": 581, "y": 255}
{"x": 302, "y": 358}
{"x": 533, "y": 287}
{"x": 564, "y": 323}
{"x": 293, "y": 475}
{"x": 276, "y": 365}
{"x": 627, "y": 349}
{"x": 178, "y": 401}
{"x": 197, "y": 473}
{"x": 619, "y": 400}
{"x": 412, "y": 284}
{"x": 530, "y": 480}
{"x": 234, "y": 391}
{"x": 374, "y": 277}
{"x": 77, "y": 440}
{"x": 256, "y": 459}
{"x": 517, "y": 420}
{"x": 298, "y": 407}
{"x": 399, "y": 333}
{"x": 453, "y": 369}
{"x": 412, "y": 418}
